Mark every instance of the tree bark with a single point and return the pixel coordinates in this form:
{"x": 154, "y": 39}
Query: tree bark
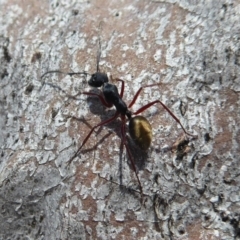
{"x": 190, "y": 185}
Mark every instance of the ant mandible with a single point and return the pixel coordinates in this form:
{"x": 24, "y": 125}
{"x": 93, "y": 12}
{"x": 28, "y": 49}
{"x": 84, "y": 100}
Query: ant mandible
{"x": 139, "y": 127}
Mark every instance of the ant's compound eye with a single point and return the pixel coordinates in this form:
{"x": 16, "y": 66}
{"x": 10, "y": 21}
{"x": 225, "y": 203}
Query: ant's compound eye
{"x": 141, "y": 132}
{"x": 94, "y": 81}
{"x": 93, "y": 77}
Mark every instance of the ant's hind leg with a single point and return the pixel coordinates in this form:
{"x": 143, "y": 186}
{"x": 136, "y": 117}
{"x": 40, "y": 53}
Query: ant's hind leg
{"x": 169, "y": 111}
{"x": 123, "y": 139}
{"x": 152, "y": 103}
{"x": 90, "y": 133}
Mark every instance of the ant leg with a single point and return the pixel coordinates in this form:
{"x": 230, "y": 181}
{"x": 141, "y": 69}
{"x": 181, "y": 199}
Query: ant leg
{"x": 67, "y": 73}
{"x": 101, "y": 98}
{"x": 166, "y": 108}
{"x": 122, "y": 87}
{"x": 138, "y": 92}
{"x": 123, "y": 138}
{"x": 89, "y": 134}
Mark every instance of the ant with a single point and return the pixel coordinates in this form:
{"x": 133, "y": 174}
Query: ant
{"x": 139, "y": 127}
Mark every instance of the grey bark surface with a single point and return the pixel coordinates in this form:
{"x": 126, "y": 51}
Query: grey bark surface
{"x": 191, "y": 48}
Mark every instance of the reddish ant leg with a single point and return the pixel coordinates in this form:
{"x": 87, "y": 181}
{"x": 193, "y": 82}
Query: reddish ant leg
{"x": 103, "y": 101}
{"x": 123, "y": 139}
{"x": 138, "y": 92}
{"x": 166, "y": 108}
{"x": 89, "y": 134}
{"x": 122, "y": 87}
{"x": 152, "y": 103}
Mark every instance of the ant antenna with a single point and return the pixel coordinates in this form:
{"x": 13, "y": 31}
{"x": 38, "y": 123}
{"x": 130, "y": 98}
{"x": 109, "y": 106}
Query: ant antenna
{"x": 66, "y": 73}
{"x": 99, "y": 46}
{"x": 61, "y": 72}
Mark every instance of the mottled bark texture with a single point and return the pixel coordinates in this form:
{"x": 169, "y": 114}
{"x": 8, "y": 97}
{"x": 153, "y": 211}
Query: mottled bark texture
{"x": 191, "y": 188}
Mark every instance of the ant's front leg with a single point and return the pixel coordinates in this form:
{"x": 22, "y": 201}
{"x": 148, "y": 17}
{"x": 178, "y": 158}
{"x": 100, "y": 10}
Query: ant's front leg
{"x": 101, "y": 98}
{"x": 122, "y": 85}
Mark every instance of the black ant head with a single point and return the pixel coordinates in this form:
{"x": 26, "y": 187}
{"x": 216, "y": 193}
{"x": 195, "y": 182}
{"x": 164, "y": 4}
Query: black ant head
{"x": 98, "y": 79}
